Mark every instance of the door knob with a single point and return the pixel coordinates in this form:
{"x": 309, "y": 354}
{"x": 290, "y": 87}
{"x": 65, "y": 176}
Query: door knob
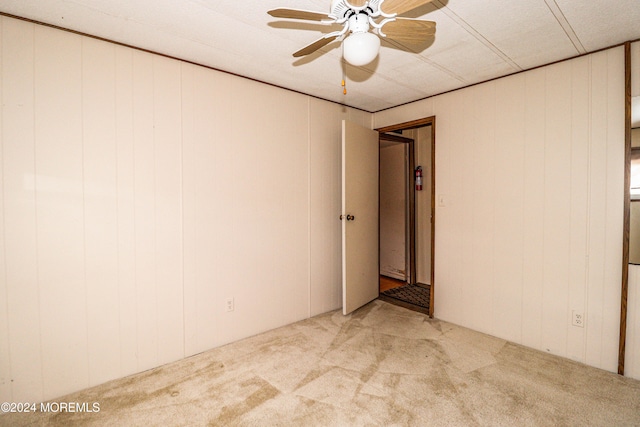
{"x": 347, "y": 217}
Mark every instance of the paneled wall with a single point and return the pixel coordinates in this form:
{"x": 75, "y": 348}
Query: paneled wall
{"x": 529, "y": 190}
{"x": 422, "y": 148}
{"x": 138, "y": 194}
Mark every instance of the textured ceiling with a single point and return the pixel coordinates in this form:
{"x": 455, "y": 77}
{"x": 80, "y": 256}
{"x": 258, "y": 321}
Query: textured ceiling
{"x": 476, "y": 40}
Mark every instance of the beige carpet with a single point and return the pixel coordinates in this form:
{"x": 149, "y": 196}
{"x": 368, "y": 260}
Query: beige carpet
{"x": 381, "y": 366}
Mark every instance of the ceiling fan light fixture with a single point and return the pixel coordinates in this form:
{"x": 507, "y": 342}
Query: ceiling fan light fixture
{"x": 361, "y": 48}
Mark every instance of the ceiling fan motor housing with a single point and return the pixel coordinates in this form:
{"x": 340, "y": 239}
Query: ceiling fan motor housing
{"x": 359, "y": 22}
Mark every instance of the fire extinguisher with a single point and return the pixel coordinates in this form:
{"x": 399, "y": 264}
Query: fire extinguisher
{"x": 419, "y": 178}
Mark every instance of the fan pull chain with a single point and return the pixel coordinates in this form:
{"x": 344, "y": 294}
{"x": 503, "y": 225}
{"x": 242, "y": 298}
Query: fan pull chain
{"x": 344, "y": 78}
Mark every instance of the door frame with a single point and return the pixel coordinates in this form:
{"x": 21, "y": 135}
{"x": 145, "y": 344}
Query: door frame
{"x": 410, "y": 231}
{"x": 413, "y": 124}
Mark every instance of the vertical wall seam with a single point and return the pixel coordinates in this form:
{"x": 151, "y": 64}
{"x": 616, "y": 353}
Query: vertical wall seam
{"x": 117, "y": 200}
{"x": 603, "y": 260}
{"x": 133, "y": 190}
{"x": 523, "y": 192}
{"x": 572, "y": 211}
{"x": 588, "y": 219}
{"x": 135, "y": 235}
{"x": 523, "y": 136}
{"x": 84, "y": 204}
{"x": 544, "y": 203}
{"x": 182, "y": 251}
{"x": 544, "y": 206}
{"x": 606, "y": 211}
{"x": 84, "y": 208}
{"x": 35, "y": 207}
{"x": 309, "y": 207}
{"x": 4, "y": 225}
{"x": 493, "y": 205}
{"x": 155, "y": 208}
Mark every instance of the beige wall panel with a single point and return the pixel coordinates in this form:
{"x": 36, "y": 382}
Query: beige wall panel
{"x": 459, "y": 201}
{"x": 208, "y": 213}
{"x": 60, "y": 215}
{"x": 579, "y": 219}
{"x": 167, "y": 141}
{"x": 325, "y": 191}
{"x": 144, "y": 152}
{"x": 451, "y": 277}
{"x": 199, "y": 277}
{"x": 124, "y": 131}
{"x": 292, "y": 191}
{"x": 482, "y": 203}
{"x": 614, "y": 204}
{"x": 219, "y": 200}
{"x": 192, "y": 291}
{"x": 606, "y": 155}
{"x": 423, "y": 206}
{"x": 533, "y": 208}
{"x": 557, "y": 204}
{"x": 632, "y": 356}
{"x": 404, "y": 113}
{"x": 19, "y": 198}
{"x": 509, "y": 202}
{"x": 252, "y": 244}
{"x": 99, "y": 155}
{"x": 270, "y": 181}
{"x": 597, "y": 210}
{"x": 360, "y": 117}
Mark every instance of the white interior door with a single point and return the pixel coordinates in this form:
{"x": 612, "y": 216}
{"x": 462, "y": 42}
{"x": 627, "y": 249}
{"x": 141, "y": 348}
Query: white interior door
{"x": 360, "y": 270}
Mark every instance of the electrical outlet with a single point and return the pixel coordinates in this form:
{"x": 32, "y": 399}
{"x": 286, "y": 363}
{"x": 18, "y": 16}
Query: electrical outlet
{"x": 577, "y": 318}
{"x": 229, "y": 304}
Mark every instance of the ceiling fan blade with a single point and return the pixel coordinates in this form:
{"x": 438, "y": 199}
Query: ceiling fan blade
{"x": 357, "y": 3}
{"x": 401, "y": 6}
{"x": 300, "y": 14}
{"x": 315, "y": 45}
{"x": 409, "y": 30}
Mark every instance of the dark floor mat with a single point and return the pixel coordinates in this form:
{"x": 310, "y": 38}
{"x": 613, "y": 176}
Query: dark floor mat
{"x": 412, "y": 294}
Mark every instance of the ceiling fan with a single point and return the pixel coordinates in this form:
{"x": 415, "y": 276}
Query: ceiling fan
{"x": 358, "y": 17}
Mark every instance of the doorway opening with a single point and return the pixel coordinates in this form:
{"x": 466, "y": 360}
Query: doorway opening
{"x": 407, "y": 214}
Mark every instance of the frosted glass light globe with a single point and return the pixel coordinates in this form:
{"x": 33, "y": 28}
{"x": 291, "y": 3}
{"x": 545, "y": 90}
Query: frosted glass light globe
{"x": 361, "y": 48}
